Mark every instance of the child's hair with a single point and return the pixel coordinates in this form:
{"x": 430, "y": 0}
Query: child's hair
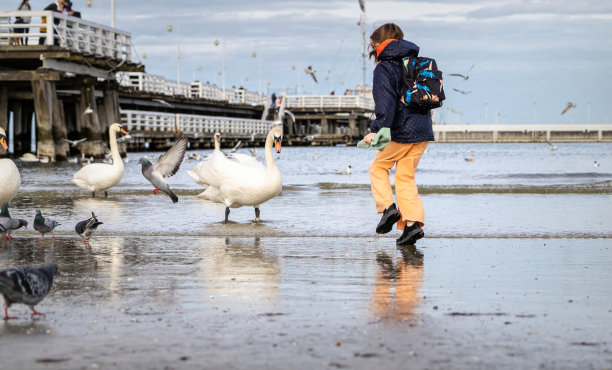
{"x": 385, "y": 32}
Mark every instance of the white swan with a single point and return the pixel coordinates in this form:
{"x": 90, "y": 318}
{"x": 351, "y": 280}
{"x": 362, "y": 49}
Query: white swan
{"x": 195, "y": 173}
{"x": 101, "y": 176}
{"x": 241, "y": 182}
{"x": 10, "y": 180}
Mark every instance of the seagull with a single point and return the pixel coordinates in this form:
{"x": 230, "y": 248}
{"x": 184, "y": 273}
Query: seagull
{"x": 88, "y": 110}
{"x": 74, "y": 143}
{"x": 595, "y": 164}
{"x": 311, "y": 72}
{"x": 166, "y": 166}
{"x": 470, "y": 159}
{"x": 236, "y": 147}
{"x": 7, "y": 223}
{"x": 569, "y": 106}
{"x": 44, "y": 225}
{"x": 344, "y": 172}
{"x": 466, "y": 76}
{"x": 552, "y": 146}
{"x": 27, "y": 285}
{"x": 362, "y": 5}
{"x": 463, "y": 92}
{"x": 87, "y": 227}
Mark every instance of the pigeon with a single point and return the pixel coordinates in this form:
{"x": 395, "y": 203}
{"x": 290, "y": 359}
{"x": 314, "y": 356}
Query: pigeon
{"x": 466, "y": 76}
{"x": 27, "y": 285}
{"x": 7, "y": 223}
{"x": 44, "y": 225}
{"x": 569, "y": 106}
{"x": 311, "y": 72}
{"x": 87, "y": 227}
{"x": 166, "y": 166}
{"x": 74, "y": 143}
{"x": 462, "y": 92}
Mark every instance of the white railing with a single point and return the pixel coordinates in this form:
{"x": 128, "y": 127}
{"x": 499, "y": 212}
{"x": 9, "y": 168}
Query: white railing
{"x": 192, "y": 124}
{"x": 330, "y": 101}
{"x": 75, "y": 34}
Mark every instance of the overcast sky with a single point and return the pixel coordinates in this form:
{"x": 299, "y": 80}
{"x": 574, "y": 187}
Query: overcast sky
{"x": 531, "y": 57}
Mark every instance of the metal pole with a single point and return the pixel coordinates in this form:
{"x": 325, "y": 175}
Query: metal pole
{"x": 113, "y": 13}
{"x": 178, "y": 57}
{"x": 223, "y": 40}
{"x": 364, "y": 45}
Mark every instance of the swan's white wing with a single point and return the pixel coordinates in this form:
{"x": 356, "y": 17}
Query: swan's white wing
{"x": 169, "y": 162}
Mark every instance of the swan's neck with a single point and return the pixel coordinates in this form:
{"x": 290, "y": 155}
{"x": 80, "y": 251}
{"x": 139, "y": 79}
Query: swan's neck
{"x": 217, "y": 145}
{"x": 270, "y": 164}
{"x": 117, "y": 161}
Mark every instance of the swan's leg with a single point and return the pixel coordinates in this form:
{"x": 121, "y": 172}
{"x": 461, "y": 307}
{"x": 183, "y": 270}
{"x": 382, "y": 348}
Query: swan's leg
{"x": 227, "y": 211}
{"x": 256, "y": 214}
{"x": 105, "y": 194}
{"x": 93, "y": 194}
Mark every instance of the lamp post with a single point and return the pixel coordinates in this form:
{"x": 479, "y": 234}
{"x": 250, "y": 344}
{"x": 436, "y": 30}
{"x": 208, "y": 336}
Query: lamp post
{"x": 178, "y": 51}
{"x": 223, "y": 70}
{"x": 89, "y": 4}
{"x": 260, "y": 73}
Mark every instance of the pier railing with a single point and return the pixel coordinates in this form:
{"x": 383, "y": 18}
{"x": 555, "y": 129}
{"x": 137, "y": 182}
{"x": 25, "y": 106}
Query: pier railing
{"x": 523, "y": 132}
{"x": 192, "y": 124}
{"x": 330, "y": 101}
{"x": 75, "y": 34}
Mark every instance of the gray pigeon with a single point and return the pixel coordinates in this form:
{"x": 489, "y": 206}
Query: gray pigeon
{"x": 166, "y": 166}
{"x": 44, "y": 225}
{"x": 7, "y": 223}
{"x": 27, "y": 285}
{"x": 87, "y": 227}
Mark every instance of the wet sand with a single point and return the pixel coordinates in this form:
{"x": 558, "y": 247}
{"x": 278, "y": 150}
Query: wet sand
{"x": 315, "y": 302}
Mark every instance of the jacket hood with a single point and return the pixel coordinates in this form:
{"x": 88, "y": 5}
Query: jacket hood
{"x": 399, "y": 49}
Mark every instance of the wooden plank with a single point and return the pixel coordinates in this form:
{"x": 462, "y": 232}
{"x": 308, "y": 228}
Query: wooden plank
{"x": 30, "y": 75}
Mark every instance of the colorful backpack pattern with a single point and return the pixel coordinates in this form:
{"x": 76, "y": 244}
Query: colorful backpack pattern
{"x": 422, "y": 83}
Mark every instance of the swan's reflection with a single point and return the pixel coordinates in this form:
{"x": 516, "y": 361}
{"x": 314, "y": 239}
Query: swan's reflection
{"x": 240, "y": 270}
{"x": 398, "y": 283}
{"x": 111, "y": 208}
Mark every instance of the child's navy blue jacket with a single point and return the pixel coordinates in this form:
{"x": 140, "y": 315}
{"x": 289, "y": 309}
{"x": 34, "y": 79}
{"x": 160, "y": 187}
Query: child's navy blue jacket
{"x": 407, "y": 125}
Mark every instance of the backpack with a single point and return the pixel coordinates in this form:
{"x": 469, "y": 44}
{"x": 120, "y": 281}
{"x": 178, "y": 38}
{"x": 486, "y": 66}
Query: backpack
{"x": 422, "y": 86}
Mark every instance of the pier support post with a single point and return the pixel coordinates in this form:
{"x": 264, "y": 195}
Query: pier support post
{"x": 88, "y": 123}
{"x": 324, "y": 125}
{"x": 4, "y": 107}
{"x": 353, "y": 126}
{"x": 43, "y": 102}
{"x": 59, "y": 131}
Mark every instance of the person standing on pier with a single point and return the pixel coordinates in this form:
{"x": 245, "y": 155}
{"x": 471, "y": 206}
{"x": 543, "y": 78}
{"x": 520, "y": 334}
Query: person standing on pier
{"x": 410, "y": 132}
{"x": 57, "y": 6}
{"x": 24, "y": 6}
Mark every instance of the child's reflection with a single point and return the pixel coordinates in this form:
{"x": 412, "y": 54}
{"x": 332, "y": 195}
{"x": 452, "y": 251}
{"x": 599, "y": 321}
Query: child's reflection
{"x": 397, "y": 286}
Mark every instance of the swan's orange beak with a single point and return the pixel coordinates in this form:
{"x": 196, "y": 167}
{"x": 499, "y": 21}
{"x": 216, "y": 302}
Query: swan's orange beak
{"x": 3, "y": 143}
{"x": 277, "y": 145}
{"x": 124, "y": 132}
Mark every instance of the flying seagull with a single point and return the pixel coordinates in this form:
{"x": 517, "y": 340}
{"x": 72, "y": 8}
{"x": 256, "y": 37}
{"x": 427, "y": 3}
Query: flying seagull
{"x": 27, "y": 285}
{"x": 462, "y": 92}
{"x": 569, "y": 106}
{"x": 163, "y": 102}
{"x": 74, "y": 143}
{"x": 44, "y": 225}
{"x": 466, "y": 76}
{"x": 311, "y": 72}
{"x": 87, "y": 227}
{"x": 362, "y": 5}
{"x": 167, "y": 165}
{"x": 551, "y": 147}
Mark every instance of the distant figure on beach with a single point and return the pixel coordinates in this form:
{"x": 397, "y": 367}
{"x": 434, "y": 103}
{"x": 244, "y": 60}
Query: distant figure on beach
{"x": 411, "y": 130}
{"x": 24, "y": 6}
{"x": 57, "y": 6}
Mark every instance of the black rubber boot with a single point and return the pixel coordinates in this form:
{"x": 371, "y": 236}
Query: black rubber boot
{"x": 411, "y": 235}
{"x": 390, "y": 216}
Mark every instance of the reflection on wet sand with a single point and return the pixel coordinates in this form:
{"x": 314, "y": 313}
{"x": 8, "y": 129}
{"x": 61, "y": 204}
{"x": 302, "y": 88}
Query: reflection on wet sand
{"x": 240, "y": 269}
{"x": 398, "y": 285}
{"x": 103, "y": 207}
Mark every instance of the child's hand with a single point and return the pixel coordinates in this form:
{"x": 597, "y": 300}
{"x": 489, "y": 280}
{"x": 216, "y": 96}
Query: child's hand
{"x": 368, "y": 138}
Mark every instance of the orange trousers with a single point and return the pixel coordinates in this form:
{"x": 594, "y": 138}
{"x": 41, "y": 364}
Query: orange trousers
{"x": 406, "y": 158}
